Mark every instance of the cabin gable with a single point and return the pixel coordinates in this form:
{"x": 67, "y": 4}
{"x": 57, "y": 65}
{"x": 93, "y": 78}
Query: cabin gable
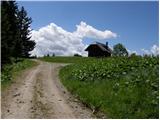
{"x": 98, "y": 50}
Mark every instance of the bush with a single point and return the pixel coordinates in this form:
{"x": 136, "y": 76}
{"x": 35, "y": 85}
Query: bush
{"x": 77, "y": 55}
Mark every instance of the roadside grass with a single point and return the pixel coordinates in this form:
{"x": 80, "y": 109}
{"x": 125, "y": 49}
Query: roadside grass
{"x": 118, "y": 87}
{"x": 10, "y": 71}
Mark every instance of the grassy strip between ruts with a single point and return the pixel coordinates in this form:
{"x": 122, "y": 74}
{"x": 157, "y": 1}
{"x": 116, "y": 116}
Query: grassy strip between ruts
{"x": 10, "y": 71}
{"x": 119, "y": 87}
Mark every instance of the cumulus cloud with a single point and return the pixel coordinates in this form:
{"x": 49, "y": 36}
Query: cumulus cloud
{"x": 54, "y": 39}
{"x": 131, "y": 52}
{"x": 145, "y": 51}
{"x": 84, "y": 30}
{"x": 153, "y": 50}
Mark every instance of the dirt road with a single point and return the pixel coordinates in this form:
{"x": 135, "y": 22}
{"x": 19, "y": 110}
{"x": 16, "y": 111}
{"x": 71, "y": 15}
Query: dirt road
{"x": 38, "y": 93}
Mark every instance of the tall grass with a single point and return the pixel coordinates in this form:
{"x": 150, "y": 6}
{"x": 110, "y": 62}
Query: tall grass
{"x": 10, "y": 71}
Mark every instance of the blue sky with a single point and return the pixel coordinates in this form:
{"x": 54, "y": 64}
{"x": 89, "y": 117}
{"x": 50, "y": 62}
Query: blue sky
{"x": 135, "y": 23}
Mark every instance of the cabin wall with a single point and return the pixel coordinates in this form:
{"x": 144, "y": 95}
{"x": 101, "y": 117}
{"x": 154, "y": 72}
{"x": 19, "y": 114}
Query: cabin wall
{"x": 98, "y": 53}
{"x": 95, "y": 51}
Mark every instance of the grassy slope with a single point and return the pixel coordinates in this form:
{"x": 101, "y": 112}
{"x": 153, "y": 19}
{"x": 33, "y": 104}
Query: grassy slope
{"x": 120, "y": 87}
{"x": 66, "y": 59}
{"x": 10, "y": 71}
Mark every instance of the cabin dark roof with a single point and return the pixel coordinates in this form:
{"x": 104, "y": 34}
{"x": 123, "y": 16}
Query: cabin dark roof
{"x": 102, "y": 46}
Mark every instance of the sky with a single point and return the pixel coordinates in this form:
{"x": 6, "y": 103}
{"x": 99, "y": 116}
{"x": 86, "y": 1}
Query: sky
{"x": 66, "y": 28}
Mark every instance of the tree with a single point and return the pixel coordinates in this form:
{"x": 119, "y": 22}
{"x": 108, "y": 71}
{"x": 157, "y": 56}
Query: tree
{"x": 24, "y": 33}
{"x": 48, "y": 55}
{"x": 15, "y": 36}
{"x": 133, "y": 55}
{"x": 77, "y": 55}
{"x": 119, "y": 50}
{"x": 53, "y": 55}
{"x": 9, "y": 28}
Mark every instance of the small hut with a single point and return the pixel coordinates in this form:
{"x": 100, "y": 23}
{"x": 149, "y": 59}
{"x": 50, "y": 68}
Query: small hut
{"x": 98, "y": 50}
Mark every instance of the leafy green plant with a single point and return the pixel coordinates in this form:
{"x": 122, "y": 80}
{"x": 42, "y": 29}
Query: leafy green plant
{"x": 121, "y": 87}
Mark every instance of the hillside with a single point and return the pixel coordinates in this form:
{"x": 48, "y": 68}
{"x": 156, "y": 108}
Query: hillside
{"x": 120, "y": 87}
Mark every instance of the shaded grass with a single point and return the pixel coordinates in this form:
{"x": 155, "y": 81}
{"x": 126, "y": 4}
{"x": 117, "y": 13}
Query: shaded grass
{"x": 10, "y": 71}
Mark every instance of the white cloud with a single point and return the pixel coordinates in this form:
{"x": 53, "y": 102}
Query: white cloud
{"x": 54, "y": 39}
{"x": 84, "y": 30}
{"x": 131, "y": 52}
{"x": 145, "y": 51}
{"x": 153, "y": 50}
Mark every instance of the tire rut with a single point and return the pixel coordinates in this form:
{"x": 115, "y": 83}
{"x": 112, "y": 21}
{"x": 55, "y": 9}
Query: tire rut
{"x": 41, "y": 95}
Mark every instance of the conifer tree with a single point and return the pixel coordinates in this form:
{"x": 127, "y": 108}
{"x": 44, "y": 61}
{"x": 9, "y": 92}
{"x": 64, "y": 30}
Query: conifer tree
{"x": 15, "y": 35}
{"x": 8, "y": 28}
{"x": 24, "y": 30}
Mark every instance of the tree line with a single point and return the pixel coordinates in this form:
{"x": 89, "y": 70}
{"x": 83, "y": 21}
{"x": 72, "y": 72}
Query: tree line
{"x": 15, "y": 32}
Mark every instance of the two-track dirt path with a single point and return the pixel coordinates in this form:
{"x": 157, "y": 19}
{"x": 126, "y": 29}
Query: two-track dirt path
{"x": 38, "y": 93}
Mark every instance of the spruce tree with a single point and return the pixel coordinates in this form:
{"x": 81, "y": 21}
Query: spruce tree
{"x": 24, "y": 31}
{"x": 15, "y": 35}
{"x": 9, "y": 29}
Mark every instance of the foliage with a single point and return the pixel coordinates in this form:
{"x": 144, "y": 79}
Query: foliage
{"x": 77, "y": 55}
{"x": 53, "y": 54}
{"x": 15, "y": 39}
{"x": 24, "y": 31}
{"x": 119, "y": 50}
{"x": 48, "y": 55}
{"x": 133, "y": 55}
{"x": 9, "y": 26}
{"x": 121, "y": 87}
{"x": 10, "y": 70}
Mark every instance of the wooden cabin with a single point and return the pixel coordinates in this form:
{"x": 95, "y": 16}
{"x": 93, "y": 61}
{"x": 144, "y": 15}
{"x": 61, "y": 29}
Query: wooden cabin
{"x": 98, "y": 50}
